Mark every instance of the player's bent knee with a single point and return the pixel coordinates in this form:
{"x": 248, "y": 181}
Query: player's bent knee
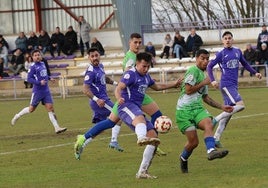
{"x": 114, "y": 118}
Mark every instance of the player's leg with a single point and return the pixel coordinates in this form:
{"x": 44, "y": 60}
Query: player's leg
{"x": 237, "y": 108}
{"x": 150, "y": 107}
{"x": 133, "y": 116}
{"x": 148, "y": 154}
{"x": 83, "y": 140}
{"x": 115, "y": 130}
{"x": 53, "y": 118}
{"x": 35, "y": 99}
{"x": 114, "y": 139}
{"x": 204, "y": 121}
{"x": 184, "y": 121}
{"x": 48, "y": 102}
{"x": 222, "y": 125}
{"x": 231, "y": 97}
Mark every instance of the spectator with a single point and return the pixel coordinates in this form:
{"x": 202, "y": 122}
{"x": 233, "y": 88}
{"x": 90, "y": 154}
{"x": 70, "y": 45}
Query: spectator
{"x": 17, "y": 61}
{"x": 32, "y": 43}
{"x": 56, "y": 42}
{"x": 3, "y": 41}
{"x": 262, "y": 57}
{"x": 96, "y": 44}
{"x": 24, "y": 74}
{"x": 250, "y": 56}
{"x": 83, "y": 29}
{"x": 167, "y": 45}
{"x": 179, "y": 46}
{"x": 151, "y": 50}
{"x": 193, "y": 42}
{"x": 70, "y": 41}
{"x": 43, "y": 41}
{"x": 4, "y": 54}
{"x": 2, "y": 73}
{"x": 21, "y": 42}
{"x": 262, "y": 37}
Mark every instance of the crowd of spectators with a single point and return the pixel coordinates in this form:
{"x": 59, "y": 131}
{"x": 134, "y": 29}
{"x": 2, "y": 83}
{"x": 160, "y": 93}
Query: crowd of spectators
{"x": 180, "y": 48}
{"x": 13, "y": 61}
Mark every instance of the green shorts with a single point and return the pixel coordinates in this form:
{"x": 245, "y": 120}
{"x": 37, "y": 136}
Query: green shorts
{"x": 147, "y": 100}
{"x": 189, "y": 118}
{"x": 115, "y": 109}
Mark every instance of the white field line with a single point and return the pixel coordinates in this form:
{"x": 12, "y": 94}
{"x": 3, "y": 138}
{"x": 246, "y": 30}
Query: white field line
{"x": 121, "y": 135}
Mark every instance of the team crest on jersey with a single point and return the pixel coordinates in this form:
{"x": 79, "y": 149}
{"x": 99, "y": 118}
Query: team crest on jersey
{"x": 189, "y": 78}
{"x": 126, "y": 76}
{"x": 86, "y": 78}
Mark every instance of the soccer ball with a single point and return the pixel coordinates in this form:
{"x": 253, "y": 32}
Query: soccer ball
{"x": 163, "y": 124}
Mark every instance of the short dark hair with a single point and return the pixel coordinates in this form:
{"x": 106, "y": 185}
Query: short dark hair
{"x": 144, "y": 56}
{"x": 227, "y": 33}
{"x": 201, "y": 51}
{"x": 135, "y": 35}
{"x": 34, "y": 51}
{"x": 93, "y": 49}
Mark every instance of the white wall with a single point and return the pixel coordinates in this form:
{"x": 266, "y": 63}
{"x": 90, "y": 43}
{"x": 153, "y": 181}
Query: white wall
{"x": 208, "y": 36}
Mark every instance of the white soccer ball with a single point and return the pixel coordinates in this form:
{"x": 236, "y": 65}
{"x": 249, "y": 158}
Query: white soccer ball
{"x": 163, "y": 124}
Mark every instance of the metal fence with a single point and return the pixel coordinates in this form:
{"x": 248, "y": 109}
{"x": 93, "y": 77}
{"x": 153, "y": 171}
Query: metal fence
{"x": 204, "y": 25}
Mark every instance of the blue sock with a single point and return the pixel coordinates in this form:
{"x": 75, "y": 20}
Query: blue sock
{"x": 155, "y": 116}
{"x": 186, "y": 154}
{"x": 210, "y": 142}
{"x": 99, "y": 127}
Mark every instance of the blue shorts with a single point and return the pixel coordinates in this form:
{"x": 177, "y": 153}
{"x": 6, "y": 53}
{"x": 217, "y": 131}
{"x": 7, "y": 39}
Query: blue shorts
{"x": 44, "y": 97}
{"x": 230, "y": 95}
{"x": 128, "y": 111}
{"x": 100, "y": 114}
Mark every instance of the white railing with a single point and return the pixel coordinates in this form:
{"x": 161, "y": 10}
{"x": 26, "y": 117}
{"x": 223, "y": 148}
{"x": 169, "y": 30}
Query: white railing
{"x": 67, "y": 86}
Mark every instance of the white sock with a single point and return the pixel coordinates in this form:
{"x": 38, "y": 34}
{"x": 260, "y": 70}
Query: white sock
{"x": 87, "y": 142}
{"x": 53, "y": 119}
{"x": 115, "y": 133}
{"x": 222, "y": 115}
{"x": 23, "y": 112}
{"x": 147, "y": 158}
{"x": 222, "y": 124}
{"x": 141, "y": 130}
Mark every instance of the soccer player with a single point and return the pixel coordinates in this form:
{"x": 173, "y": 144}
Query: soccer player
{"x": 130, "y": 93}
{"x": 149, "y": 106}
{"x": 228, "y": 59}
{"x": 37, "y": 75}
{"x": 95, "y": 88}
{"x": 192, "y": 115}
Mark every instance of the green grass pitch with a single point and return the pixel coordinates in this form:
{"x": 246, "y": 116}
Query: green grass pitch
{"x": 32, "y": 155}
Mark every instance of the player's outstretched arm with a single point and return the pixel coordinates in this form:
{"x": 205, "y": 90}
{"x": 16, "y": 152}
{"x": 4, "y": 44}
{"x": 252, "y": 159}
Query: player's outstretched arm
{"x": 159, "y": 87}
{"x": 110, "y": 81}
{"x": 215, "y": 104}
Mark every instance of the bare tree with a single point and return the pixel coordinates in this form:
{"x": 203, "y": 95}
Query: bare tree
{"x": 208, "y": 13}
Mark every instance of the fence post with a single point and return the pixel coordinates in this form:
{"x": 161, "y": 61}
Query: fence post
{"x": 14, "y": 88}
{"x": 266, "y": 69}
{"x": 62, "y": 86}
